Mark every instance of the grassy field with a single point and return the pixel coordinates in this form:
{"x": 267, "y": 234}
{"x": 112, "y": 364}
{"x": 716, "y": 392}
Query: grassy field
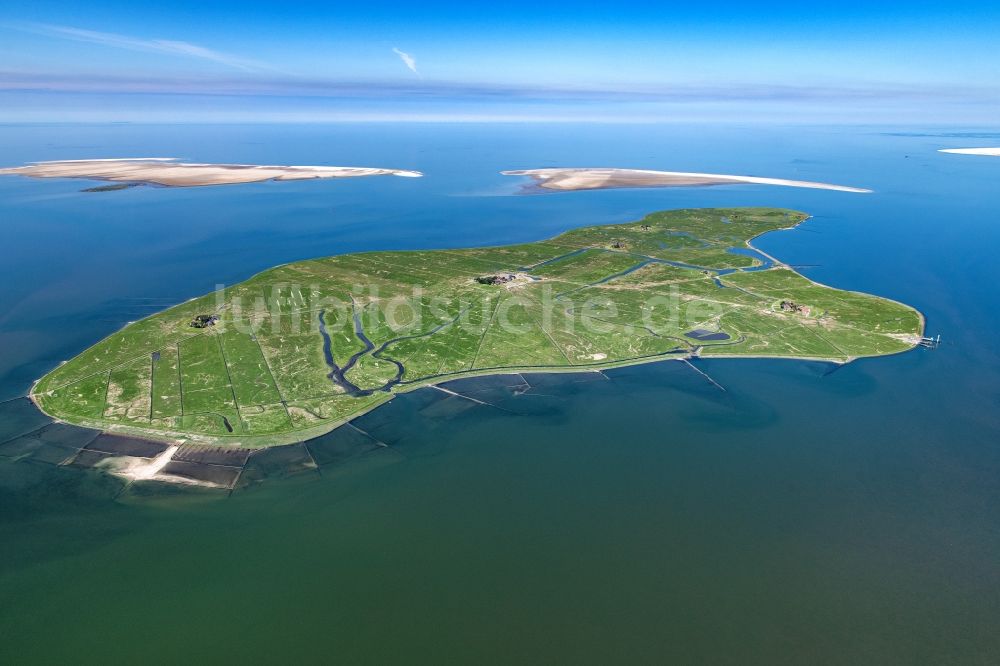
{"x": 267, "y": 373}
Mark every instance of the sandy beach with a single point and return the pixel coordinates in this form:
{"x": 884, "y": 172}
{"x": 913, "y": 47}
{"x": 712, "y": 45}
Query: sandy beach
{"x": 566, "y": 180}
{"x": 993, "y": 152}
{"x": 167, "y": 172}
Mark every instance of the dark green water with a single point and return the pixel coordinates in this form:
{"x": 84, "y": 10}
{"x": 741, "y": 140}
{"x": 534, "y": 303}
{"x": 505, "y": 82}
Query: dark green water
{"x": 800, "y": 516}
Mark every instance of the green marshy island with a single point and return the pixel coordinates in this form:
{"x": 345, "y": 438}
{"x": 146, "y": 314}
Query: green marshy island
{"x": 299, "y": 349}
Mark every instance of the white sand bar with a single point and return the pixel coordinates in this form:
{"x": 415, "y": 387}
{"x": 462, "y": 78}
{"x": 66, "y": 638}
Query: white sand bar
{"x": 140, "y": 469}
{"x": 993, "y": 152}
{"x": 170, "y": 173}
{"x": 565, "y": 180}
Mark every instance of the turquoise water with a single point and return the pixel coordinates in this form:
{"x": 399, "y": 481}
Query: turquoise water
{"x": 804, "y": 514}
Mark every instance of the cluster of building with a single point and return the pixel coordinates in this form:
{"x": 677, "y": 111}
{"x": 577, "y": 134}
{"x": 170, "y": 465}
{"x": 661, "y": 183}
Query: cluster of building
{"x": 204, "y": 321}
{"x": 792, "y": 306}
{"x": 502, "y": 278}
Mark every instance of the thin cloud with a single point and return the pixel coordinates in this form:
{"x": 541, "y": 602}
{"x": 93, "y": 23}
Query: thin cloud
{"x": 278, "y": 85}
{"x": 408, "y": 60}
{"x": 164, "y": 46}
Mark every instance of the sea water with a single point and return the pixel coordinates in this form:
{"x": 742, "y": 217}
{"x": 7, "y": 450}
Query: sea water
{"x": 805, "y": 513}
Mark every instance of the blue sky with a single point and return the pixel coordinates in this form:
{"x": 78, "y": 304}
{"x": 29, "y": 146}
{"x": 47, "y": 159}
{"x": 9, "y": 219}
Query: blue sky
{"x": 664, "y": 61}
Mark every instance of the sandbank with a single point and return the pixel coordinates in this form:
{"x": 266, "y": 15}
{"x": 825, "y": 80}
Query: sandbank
{"x": 167, "y": 172}
{"x": 992, "y": 152}
{"x": 566, "y": 180}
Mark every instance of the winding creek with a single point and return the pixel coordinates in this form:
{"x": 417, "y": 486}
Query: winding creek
{"x": 338, "y": 374}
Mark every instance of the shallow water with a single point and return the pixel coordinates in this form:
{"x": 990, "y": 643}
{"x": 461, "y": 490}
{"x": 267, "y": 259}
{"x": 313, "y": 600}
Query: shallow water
{"x": 803, "y": 514}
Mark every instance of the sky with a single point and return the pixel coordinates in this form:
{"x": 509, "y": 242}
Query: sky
{"x": 852, "y": 62}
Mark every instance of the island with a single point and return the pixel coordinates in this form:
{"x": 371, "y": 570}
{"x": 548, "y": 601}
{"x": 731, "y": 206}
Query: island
{"x": 298, "y": 350}
{"x": 567, "y": 180}
{"x": 167, "y": 172}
